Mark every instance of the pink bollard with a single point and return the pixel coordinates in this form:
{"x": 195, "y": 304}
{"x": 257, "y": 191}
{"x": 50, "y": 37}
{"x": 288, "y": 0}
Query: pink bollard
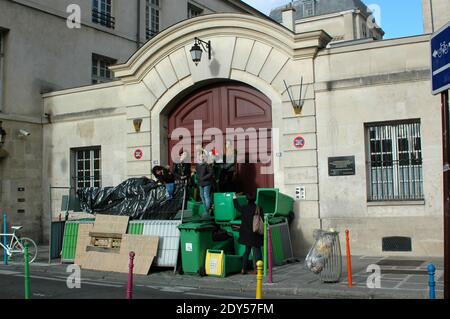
{"x": 269, "y": 248}
{"x": 130, "y": 277}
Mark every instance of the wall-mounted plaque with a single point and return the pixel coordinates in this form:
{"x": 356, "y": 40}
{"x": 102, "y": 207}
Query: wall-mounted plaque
{"x": 341, "y": 166}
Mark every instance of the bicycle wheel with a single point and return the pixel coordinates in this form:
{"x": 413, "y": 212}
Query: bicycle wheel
{"x": 32, "y": 251}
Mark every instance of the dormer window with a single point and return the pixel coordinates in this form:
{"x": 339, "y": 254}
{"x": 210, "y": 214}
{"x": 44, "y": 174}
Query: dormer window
{"x": 309, "y": 8}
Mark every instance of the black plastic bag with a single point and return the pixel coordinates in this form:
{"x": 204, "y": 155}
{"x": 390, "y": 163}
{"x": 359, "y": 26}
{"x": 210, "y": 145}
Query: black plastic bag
{"x": 138, "y": 198}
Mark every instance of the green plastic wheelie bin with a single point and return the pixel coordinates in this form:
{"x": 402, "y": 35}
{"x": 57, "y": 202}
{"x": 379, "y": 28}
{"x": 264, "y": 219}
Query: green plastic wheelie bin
{"x": 274, "y": 203}
{"x": 196, "y": 239}
{"x": 233, "y": 229}
{"x": 197, "y": 208}
{"x": 224, "y": 210}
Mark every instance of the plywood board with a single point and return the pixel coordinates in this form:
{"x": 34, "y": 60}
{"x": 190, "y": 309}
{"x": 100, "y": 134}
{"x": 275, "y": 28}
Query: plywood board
{"x": 111, "y": 224}
{"x": 83, "y": 241}
{"x": 105, "y": 262}
{"x": 144, "y": 247}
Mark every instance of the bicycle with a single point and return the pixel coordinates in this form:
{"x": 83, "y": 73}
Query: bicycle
{"x": 16, "y": 247}
{"x": 443, "y": 50}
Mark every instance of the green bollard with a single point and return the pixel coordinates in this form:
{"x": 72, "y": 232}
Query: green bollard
{"x": 27, "y": 272}
{"x": 265, "y": 245}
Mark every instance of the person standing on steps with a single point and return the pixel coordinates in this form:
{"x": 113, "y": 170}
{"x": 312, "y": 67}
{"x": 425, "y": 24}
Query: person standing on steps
{"x": 247, "y": 237}
{"x": 205, "y": 182}
{"x": 182, "y": 172}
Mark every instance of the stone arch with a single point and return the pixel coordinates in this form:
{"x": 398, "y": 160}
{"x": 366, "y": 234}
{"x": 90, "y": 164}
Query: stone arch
{"x": 254, "y": 51}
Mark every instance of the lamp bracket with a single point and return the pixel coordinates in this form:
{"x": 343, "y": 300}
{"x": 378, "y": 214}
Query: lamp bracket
{"x": 297, "y": 105}
{"x": 205, "y": 45}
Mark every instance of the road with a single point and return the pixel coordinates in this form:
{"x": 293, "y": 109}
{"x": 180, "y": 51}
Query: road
{"x": 54, "y": 286}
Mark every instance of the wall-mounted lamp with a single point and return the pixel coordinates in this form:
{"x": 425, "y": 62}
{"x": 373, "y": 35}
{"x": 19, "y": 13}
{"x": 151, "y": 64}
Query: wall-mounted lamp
{"x": 137, "y": 125}
{"x": 2, "y": 135}
{"x": 196, "y": 50}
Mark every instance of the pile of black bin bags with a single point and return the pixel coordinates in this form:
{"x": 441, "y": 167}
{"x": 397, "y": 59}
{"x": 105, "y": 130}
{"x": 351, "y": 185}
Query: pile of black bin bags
{"x": 138, "y": 198}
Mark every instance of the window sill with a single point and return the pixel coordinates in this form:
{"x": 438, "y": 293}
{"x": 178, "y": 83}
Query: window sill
{"x": 397, "y": 203}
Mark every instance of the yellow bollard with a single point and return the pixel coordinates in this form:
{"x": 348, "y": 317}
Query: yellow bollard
{"x": 259, "y": 279}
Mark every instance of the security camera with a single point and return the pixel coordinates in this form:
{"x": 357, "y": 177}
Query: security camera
{"x": 23, "y": 133}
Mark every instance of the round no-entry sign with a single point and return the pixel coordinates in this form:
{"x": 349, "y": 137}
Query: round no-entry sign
{"x": 299, "y": 142}
{"x": 138, "y": 154}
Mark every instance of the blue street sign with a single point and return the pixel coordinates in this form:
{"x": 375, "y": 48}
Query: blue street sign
{"x": 440, "y": 60}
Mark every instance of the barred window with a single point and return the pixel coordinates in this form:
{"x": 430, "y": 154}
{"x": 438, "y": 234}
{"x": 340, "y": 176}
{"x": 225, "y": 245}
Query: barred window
{"x": 193, "y": 11}
{"x": 102, "y": 13}
{"x": 87, "y": 168}
{"x": 100, "y": 69}
{"x": 395, "y": 161}
{"x": 152, "y": 17}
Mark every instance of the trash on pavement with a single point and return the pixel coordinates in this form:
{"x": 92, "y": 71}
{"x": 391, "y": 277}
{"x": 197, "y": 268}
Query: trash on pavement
{"x": 324, "y": 258}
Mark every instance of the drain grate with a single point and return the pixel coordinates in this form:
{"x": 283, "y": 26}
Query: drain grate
{"x": 401, "y": 262}
{"x": 397, "y": 244}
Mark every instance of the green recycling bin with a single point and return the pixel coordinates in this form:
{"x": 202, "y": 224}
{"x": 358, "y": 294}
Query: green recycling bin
{"x": 189, "y": 217}
{"x": 197, "y": 208}
{"x": 274, "y": 203}
{"x": 233, "y": 229}
{"x": 277, "y": 245}
{"x": 224, "y": 210}
{"x": 196, "y": 239}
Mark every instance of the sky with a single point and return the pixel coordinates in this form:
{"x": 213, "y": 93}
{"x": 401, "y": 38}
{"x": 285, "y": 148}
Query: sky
{"x": 398, "y": 18}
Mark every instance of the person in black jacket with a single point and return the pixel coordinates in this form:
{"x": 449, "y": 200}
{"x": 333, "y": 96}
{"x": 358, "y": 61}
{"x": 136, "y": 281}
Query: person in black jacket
{"x": 165, "y": 177}
{"x": 205, "y": 181}
{"x": 182, "y": 168}
{"x": 247, "y": 237}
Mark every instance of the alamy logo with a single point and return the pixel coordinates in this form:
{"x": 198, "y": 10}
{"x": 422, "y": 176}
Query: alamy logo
{"x": 374, "y": 280}
{"x": 74, "y": 18}
{"x": 259, "y": 142}
{"x": 74, "y": 279}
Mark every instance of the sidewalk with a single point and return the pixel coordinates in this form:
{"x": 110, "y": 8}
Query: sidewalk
{"x": 402, "y": 278}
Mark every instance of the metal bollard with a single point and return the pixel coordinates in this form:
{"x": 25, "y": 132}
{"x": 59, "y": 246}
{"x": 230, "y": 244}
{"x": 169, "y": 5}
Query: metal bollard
{"x": 349, "y": 259}
{"x": 269, "y": 250}
{"x": 5, "y": 255}
{"x": 27, "y": 272}
{"x": 431, "y": 281}
{"x": 130, "y": 277}
{"x": 259, "y": 279}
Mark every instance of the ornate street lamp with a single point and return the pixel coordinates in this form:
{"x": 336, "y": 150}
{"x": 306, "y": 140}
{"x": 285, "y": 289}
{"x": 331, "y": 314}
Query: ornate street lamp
{"x": 2, "y": 135}
{"x": 197, "y": 51}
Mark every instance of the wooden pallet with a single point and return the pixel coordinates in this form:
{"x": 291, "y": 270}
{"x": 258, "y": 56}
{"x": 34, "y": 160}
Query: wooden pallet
{"x": 104, "y": 241}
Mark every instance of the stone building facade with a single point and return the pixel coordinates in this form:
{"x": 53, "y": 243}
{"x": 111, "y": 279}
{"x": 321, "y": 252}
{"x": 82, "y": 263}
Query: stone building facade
{"x": 367, "y": 106}
{"x": 39, "y": 53}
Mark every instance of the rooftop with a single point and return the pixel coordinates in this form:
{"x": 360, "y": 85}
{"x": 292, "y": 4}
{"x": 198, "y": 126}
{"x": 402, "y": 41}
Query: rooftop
{"x": 310, "y": 8}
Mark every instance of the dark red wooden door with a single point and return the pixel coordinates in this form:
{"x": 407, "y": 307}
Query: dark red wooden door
{"x": 231, "y": 106}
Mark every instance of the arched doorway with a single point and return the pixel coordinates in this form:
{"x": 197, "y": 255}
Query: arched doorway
{"x": 231, "y": 105}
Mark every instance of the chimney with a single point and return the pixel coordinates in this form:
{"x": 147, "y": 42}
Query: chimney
{"x": 288, "y": 17}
